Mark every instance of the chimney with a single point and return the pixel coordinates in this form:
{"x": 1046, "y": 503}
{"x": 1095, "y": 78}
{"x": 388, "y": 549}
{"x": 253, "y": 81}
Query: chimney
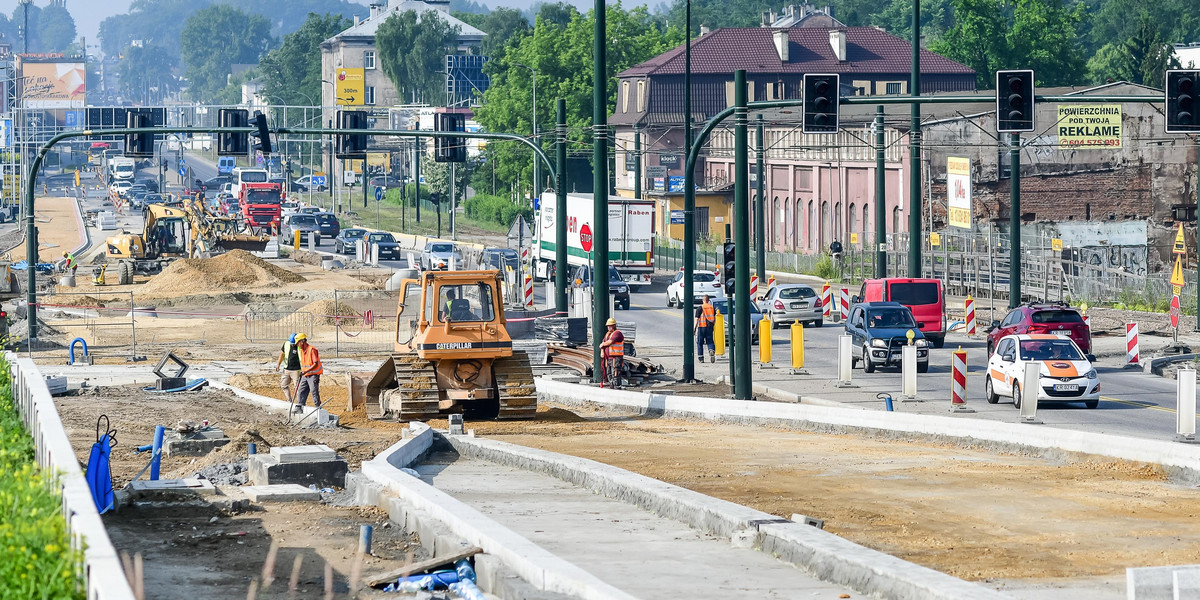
{"x": 837, "y": 40}
{"x": 356, "y": 20}
{"x": 704, "y": 30}
{"x": 781, "y": 43}
{"x": 764, "y": 19}
{"x": 377, "y": 9}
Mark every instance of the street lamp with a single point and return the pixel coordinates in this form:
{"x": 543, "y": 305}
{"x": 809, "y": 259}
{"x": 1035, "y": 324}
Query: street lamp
{"x": 533, "y": 77}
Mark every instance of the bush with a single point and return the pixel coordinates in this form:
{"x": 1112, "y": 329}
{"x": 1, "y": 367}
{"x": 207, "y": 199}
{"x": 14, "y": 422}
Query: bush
{"x": 36, "y": 559}
{"x": 824, "y": 268}
{"x": 495, "y": 209}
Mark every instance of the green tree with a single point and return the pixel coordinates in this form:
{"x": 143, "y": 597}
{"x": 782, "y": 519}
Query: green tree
{"x": 292, "y": 72}
{"x": 1116, "y": 21}
{"x": 557, "y": 14}
{"x": 18, "y": 21}
{"x": 503, "y": 26}
{"x": 216, "y": 38}
{"x": 141, "y": 68}
{"x": 412, "y": 52}
{"x": 1142, "y": 58}
{"x": 937, "y": 17}
{"x": 55, "y": 29}
{"x": 977, "y": 38}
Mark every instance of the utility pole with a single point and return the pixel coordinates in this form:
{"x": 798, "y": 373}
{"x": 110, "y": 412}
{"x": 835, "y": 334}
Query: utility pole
{"x": 689, "y": 206}
{"x": 454, "y": 202}
{"x": 417, "y": 169}
{"x": 740, "y": 308}
{"x": 880, "y": 197}
{"x": 760, "y": 217}
{"x": 600, "y": 297}
{"x": 637, "y": 165}
{"x": 560, "y": 213}
{"x": 914, "y": 139}
{"x": 1014, "y": 221}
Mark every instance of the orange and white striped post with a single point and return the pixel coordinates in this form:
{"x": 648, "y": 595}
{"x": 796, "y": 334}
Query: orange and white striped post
{"x": 844, "y": 297}
{"x": 1131, "y": 343}
{"x": 970, "y": 318}
{"x": 770, "y": 282}
{"x": 754, "y": 286}
{"x": 528, "y": 291}
{"x": 826, "y": 301}
{"x": 958, "y": 382}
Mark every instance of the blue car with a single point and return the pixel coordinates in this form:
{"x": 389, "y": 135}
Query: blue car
{"x": 722, "y": 306}
{"x": 879, "y": 332}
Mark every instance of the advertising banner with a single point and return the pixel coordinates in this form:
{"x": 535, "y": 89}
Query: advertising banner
{"x": 351, "y": 87}
{"x": 958, "y": 191}
{"x": 53, "y": 84}
{"x": 1089, "y": 126}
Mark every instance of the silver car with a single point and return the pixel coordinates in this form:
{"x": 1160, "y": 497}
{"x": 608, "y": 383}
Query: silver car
{"x": 790, "y": 302}
{"x": 438, "y": 256}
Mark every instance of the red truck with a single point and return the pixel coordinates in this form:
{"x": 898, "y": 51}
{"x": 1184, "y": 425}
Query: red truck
{"x": 260, "y": 203}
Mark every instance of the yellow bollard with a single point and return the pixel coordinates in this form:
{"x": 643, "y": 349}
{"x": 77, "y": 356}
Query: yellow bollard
{"x": 296, "y": 239}
{"x": 764, "y": 342}
{"x": 797, "y": 346}
{"x": 719, "y": 334}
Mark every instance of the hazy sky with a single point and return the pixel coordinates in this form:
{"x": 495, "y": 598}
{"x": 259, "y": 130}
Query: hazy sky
{"x": 89, "y": 13}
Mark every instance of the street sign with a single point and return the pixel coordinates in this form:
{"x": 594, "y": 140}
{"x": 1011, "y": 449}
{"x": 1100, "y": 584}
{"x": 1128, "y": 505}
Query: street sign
{"x": 935, "y": 239}
{"x": 1179, "y": 247}
{"x": 378, "y": 193}
{"x": 259, "y": 159}
{"x": 585, "y": 238}
{"x": 853, "y": 238}
{"x": 1177, "y": 276}
{"x": 182, "y": 163}
{"x": 1056, "y": 244}
{"x": 318, "y": 179}
{"x": 182, "y": 171}
{"x": 1175, "y": 311}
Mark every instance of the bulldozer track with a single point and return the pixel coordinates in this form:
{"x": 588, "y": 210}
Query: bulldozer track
{"x": 515, "y": 385}
{"x": 415, "y": 396}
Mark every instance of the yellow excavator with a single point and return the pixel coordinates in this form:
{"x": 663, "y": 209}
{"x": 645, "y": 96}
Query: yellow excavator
{"x": 452, "y": 354}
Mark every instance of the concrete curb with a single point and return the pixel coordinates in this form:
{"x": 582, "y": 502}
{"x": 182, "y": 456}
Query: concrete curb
{"x": 534, "y": 564}
{"x": 1180, "y": 461}
{"x": 786, "y": 396}
{"x": 822, "y": 554}
{"x": 1155, "y": 366}
{"x": 322, "y": 418}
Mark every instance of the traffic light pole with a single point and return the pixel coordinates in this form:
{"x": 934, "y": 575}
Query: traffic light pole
{"x": 417, "y": 172}
{"x": 1014, "y": 221}
{"x": 560, "y": 213}
{"x": 914, "y": 148}
{"x": 600, "y": 299}
{"x": 760, "y": 217}
{"x": 740, "y": 307}
{"x": 880, "y": 197}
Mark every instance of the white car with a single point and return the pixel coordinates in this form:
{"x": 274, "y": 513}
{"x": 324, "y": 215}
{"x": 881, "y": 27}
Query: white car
{"x": 703, "y": 282}
{"x": 121, "y": 187}
{"x": 1065, "y": 372}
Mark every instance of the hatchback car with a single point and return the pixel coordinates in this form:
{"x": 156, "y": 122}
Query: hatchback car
{"x": 582, "y": 277}
{"x": 1065, "y": 373}
{"x": 120, "y": 188}
{"x": 879, "y": 331}
{"x": 1051, "y": 318}
{"x": 389, "y": 249}
{"x": 330, "y": 227}
{"x": 305, "y": 224}
{"x": 789, "y": 302}
{"x": 703, "y": 282}
{"x": 756, "y": 315}
{"x": 439, "y": 255}
{"x": 347, "y": 240}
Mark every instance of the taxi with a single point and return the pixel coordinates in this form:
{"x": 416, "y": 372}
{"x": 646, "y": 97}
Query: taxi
{"x": 1066, "y": 374}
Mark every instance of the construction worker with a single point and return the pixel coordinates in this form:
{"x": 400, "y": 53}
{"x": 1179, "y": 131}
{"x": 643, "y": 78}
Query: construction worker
{"x": 71, "y": 264}
{"x": 706, "y": 318}
{"x": 310, "y": 373}
{"x": 290, "y": 377}
{"x": 612, "y": 348}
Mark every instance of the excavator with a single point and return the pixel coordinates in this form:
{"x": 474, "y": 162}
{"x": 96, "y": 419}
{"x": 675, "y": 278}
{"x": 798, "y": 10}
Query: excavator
{"x": 172, "y": 232}
{"x": 452, "y": 354}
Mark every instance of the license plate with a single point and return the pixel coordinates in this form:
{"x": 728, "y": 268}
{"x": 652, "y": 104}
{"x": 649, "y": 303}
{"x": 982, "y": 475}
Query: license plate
{"x": 797, "y": 305}
{"x": 1066, "y": 387}
{"x": 1062, "y": 333}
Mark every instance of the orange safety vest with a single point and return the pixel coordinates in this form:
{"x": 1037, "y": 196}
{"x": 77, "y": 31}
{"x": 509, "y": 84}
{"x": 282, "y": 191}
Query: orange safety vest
{"x": 708, "y": 315}
{"x": 310, "y": 361}
{"x": 618, "y": 348}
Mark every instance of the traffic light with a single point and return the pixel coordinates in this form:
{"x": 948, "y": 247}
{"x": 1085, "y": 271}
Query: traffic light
{"x": 233, "y": 144}
{"x": 728, "y": 252}
{"x": 139, "y": 145}
{"x": 1014, "y": 101}
{"x": 449, "y": 149}
{"x": 821, "y": 94}
{"x": 263, "y": 134}
{"x": 1181, "y": 89}
{"x": 352, "y": 145}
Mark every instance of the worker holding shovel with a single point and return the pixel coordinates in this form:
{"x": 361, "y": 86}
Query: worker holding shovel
{"x": 290, "y": 378}
{"x": 310, "y": 372}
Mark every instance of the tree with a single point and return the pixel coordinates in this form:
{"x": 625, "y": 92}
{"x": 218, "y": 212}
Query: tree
{"x": 937, "y": 17}
{"x": 412, "y": 52}
{"x": 55, "y": 29}
{"x": 977, "y": 39}
{"x": 215, "y": 39}
{"x": 558, "y": 14}
{"x": 292, "y": 72}
{"x": 503, "y": 26}
{"x": 1143, "y": 58}
{"x": 141, "y": 68}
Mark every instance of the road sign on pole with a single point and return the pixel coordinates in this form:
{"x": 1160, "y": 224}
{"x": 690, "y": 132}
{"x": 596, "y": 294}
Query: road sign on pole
{"x": 1179, "y": 247}
{"x": 585, "y": 238}
{"x": 1177, "y": 275}
{"x": 378, "y": 193}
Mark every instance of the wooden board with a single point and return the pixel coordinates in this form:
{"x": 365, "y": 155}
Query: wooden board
{"x": 421, "y": 567}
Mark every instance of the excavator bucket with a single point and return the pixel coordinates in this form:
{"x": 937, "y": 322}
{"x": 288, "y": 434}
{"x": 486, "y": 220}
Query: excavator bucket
{"x": 249, "y": 243}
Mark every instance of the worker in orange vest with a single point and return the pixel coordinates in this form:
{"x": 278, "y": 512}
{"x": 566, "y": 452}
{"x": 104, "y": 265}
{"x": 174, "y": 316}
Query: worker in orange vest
{"x": 613, "y": 351}
{"x": 706, "y": 318}
{"x": 310, "y": 373}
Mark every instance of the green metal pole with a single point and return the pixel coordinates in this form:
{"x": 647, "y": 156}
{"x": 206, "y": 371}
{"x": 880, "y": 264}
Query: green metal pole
{"x": 417, "y": 173}
{"x": 689, "y": 204}
{"x": 741, "y": 238}
{"x": 760, "y": 215}
{"x": 600, "y": 187}
{"x": 880, "y": 197}
{"x": 637, "y": 165}
{"x": 914, "y": 137}
{"x": 1014, "y": 222}
{"x": 31, "y": 248}
{"x": 560, "y": 213}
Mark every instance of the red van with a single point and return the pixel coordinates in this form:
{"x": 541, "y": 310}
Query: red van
{"x": 923, "y": 297}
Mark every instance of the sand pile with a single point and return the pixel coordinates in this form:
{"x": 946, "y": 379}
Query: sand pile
{"x": 324, "y": 312}
{"x": 234, "y": 270}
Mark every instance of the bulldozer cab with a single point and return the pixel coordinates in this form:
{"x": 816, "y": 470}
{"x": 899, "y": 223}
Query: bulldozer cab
{"x": 451, "y": 315}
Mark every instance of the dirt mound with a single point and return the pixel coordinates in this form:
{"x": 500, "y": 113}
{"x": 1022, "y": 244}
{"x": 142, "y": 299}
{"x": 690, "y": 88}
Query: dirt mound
{"x": 74, "y": 300}
{"x": 235, "y": 270}
{"x": 326, "y": 312}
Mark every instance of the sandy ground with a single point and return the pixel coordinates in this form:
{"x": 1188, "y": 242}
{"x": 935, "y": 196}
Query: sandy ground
{"x": 58, "y": 230}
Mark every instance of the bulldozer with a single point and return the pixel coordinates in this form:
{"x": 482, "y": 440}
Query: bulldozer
{"x": 452, "y": 354}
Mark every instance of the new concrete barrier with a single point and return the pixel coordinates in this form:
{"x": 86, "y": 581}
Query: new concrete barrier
{"x": 1181, "y": 462}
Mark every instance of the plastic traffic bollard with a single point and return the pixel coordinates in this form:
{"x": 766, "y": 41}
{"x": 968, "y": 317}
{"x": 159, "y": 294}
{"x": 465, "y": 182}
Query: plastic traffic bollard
{"x": 719, "y": 335}
{"x": 797, "y": 331}
{"x": 764, "y": 341}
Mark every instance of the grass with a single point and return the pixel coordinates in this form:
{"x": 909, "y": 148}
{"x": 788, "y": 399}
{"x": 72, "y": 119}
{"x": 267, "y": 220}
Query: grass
{"x": 36, "y": 560}
{"x": 388, "y": 216}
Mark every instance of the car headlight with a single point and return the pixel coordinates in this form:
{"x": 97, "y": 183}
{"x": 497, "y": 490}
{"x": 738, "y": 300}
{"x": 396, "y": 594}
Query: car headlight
{"x": 1091, "y": 374}
{"x": 622, "y": 290}
{"x": 922, "y": 343}
{"x": 878, "y": 343}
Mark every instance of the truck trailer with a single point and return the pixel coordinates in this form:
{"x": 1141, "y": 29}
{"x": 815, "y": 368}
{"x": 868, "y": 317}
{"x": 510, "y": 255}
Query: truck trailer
{"x": 630, "y": 236}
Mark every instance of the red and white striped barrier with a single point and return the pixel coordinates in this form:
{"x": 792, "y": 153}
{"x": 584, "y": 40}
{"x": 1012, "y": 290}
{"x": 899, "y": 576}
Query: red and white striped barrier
{"x": 1131, "y": 343}
{"x": 525, "y": 255}
{"x": 970, "y": 318}
{"x": 528, "y": 291}
{"x": 1087, "y": 320}
{"x": 826, "y": 301}
{"x": 958, "y": 374}
{"x": 770, "y": 282}
{"x": 844, "y": 297}
{"x": 754, "y": 286}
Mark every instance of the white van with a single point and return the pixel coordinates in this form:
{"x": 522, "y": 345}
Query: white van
{"x": 246, "y": 175}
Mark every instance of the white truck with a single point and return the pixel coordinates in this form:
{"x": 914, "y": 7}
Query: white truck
{"x": 121, "y": 168}
{"x": 630, "y": 236}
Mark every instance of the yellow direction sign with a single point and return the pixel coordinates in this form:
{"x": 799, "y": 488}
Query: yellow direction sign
{"x": 853, "y": 238}
{"x": 1056, "y": 244}
{"x": 350, "y": 89}
{"x": 1179, "y": 247}
{"x": 1177, "y": 275}
{"x": 935, "y": 239}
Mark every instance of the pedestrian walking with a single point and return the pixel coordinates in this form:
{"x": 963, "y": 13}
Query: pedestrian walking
{"x": 310, "y": 373}
{"x": 613, "y": 351}
{"x": 289, "y": 357}
{"x": 706, "y": 318}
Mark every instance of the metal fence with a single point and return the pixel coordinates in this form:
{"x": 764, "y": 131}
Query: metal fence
{"x": 105, "y": 322}
{"x": 276, "y": 326}
{"x": 365, "y": 323}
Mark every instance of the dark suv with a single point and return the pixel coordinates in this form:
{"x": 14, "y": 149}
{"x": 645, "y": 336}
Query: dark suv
{"x": 1053, "y": 318}
{"x": 616, "y": 286}
{"x": 879, "y": 331}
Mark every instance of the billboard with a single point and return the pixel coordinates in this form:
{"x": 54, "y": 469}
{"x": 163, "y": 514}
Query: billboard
{"x": 1089, "y": 126}
{"x": 53, "y": 84}
{"x": 350, "y": 89}
{"x": 958, "y": 191}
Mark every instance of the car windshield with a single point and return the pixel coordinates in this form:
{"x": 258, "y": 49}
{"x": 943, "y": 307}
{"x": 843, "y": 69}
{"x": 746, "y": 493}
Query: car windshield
{"x": 1049, "y": 350}
{"x": 890, "y": 318}
{"x": 913, "y": 294}
{"x": 303, "y": 221}
{"x": 253, "y": 177}
{"x": 353, "y": 233}
{"x": 1056, "y": 316}
{"x": 442, "y": 248}
{"x": 381, "y": 238}
{"x": 703, "y": 277}
{"x": 791, "y": 293}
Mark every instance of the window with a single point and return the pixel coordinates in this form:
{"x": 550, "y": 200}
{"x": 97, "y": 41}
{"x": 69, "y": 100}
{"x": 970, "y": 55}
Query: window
{"x": 914, "y": 294}
{"x": 369, "y": 59}
{"x": 893, "y": 88}
{"x": 465, "y": 303}
{"x": 369, "y": 94}
{"x": 625, "y": 96}
{"x": 641, "y": 96}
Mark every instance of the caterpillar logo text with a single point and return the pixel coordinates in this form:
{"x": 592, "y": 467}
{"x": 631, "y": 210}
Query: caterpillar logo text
{"x": 456, "y": 346}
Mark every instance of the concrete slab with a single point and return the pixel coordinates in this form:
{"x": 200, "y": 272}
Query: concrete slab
{"x": 199, "y": 487}
{"x": 266, "y": 469}
{"x": 193, "y": 444}
{"x": 1158, "y": 583}
{"x": 296, "y": 454}
{"x": 286, "y": 492}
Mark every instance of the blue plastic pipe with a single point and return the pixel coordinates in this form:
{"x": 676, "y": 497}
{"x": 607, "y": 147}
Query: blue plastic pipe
{"x": 156, "y": 458}
{"x": 252, "y": 448}
{"x": 72, "y": 353}
{"x": 364, "y": 539}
